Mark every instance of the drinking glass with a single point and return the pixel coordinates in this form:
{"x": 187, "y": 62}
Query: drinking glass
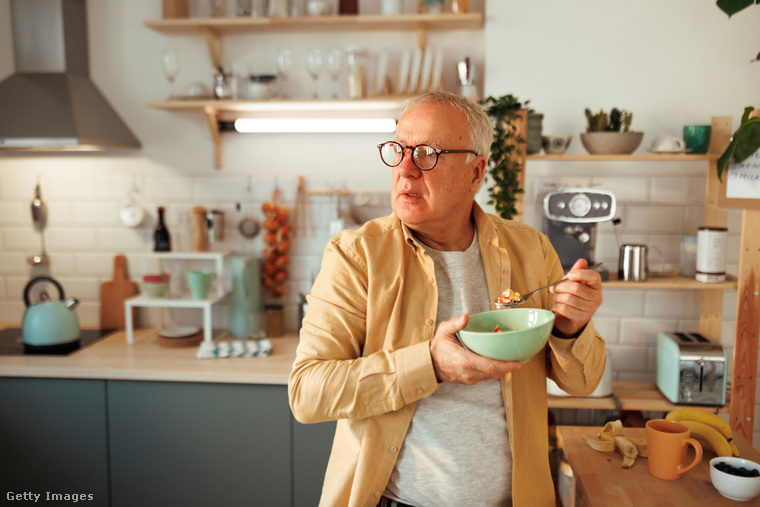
{"x": 334, "y": 62}
{"x": 314, "y": 64}
{"x": 171, "y": 68}
{"x": 284, "y": 66}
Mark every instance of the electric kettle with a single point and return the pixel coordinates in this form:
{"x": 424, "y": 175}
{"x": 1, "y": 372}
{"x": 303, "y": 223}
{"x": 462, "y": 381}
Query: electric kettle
{"x": 49, "y": 323}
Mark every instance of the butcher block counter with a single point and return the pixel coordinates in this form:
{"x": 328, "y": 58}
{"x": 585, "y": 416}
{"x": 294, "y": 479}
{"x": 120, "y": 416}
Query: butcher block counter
{"x": 604, "y": 482}
{"x": 113, "y": 359}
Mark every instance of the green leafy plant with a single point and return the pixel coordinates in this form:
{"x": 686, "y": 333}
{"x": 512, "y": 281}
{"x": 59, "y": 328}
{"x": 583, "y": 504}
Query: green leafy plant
{"x": 731, "y": 7}
{"x": 744, "y": 142}
{"x": 503, "y": 166}
{"x": 617, "y": 121}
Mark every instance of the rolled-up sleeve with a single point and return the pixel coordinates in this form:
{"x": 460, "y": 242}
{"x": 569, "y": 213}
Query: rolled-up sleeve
{"x": 335, "y": 374}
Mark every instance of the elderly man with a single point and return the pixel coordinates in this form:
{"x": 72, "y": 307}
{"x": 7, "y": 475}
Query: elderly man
{"x": 421, "y": 420}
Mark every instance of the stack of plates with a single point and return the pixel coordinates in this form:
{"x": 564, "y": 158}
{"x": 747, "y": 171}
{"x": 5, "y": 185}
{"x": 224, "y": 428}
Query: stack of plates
{"x": 182, "y": 336}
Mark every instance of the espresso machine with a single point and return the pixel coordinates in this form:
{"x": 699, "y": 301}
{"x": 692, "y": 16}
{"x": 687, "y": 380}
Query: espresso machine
{"x": 571, "y": 216}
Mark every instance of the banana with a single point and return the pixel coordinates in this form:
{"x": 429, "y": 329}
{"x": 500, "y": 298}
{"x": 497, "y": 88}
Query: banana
{"x": 641, "y": 445}
{"x": 705, "y": 417}
{"x": 627, "y": 449}
{"x": 709, "y": 436}
{"x": 611, "y": 430}
{"x": 611, "y": 439}
{"x": 598, "y": 444}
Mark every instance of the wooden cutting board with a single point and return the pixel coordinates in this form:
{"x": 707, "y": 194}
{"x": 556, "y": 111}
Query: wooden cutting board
{"x": 113, "y": 294}
{"x": 604, "y": 482}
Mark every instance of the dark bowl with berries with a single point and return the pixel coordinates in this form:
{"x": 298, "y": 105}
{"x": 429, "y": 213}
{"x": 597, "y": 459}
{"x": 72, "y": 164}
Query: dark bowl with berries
{"x": 735, "y": 478}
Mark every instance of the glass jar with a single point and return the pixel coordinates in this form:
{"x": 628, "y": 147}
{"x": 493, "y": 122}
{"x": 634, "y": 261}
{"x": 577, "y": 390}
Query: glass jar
{"x": 278, "y": 8}
{"x": 357, "y": 72}
{"x": 688, "y": 256}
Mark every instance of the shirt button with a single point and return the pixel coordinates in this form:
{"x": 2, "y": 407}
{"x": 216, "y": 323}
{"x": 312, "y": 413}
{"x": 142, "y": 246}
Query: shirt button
{"x": 393, "y": 450}
{"x": 429, "y": 322}
{"x": 420, "y": 391}
{"x": 377, "y": 494}
{"x": 432, "y": 281}
{"x": 407, "y": 410}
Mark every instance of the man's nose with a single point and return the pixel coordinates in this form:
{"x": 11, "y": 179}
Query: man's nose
{"x": 407, "y": 168}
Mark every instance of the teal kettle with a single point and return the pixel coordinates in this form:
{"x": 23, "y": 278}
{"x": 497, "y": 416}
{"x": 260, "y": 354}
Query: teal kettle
{"x": 49, "y": 323}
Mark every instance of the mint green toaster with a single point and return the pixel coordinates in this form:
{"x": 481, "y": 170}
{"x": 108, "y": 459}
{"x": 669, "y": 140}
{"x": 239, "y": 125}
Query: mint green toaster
{"x": 691, "y": 369}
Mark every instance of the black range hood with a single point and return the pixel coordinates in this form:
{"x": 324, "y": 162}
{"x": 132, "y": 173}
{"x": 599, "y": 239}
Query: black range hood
{"x": 50, "y": 103}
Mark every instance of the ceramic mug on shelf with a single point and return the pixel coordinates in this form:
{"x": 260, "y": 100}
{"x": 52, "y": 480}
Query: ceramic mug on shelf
{"x": 199, "y": 282}
{"x": 697, "y": 138}
{"x": 667, "y": 143}
{"x": 667, "y": 443}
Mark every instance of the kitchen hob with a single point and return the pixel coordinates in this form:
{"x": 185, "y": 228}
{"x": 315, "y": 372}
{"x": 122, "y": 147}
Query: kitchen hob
{"x": 12, "y": 344}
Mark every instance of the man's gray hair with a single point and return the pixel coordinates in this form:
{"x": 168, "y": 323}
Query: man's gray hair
{"x": 481, "y": 127}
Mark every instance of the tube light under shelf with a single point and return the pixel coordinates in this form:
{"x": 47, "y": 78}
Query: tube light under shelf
{"x": 315, "y": 125}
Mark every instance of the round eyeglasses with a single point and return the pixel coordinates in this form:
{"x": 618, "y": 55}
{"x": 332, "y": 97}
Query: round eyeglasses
{"x": 424, "y": 157}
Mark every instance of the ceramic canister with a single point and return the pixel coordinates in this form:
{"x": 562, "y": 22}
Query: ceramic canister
{"x": 711, "y": 254}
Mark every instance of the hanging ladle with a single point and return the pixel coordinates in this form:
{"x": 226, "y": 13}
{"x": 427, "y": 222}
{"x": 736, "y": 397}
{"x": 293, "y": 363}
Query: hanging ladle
{"x": 39, "y": 218}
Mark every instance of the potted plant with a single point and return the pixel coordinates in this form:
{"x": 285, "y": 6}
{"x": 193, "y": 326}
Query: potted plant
{"x": 610, "y": 133}
{"x": 504, "y": 164}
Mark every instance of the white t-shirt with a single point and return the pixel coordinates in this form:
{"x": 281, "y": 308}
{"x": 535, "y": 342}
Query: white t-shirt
{"x": 456, "y": 451}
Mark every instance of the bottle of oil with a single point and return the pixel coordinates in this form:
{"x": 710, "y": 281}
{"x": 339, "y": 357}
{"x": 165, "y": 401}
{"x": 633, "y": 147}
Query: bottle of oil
{"x": 162, "y": 239}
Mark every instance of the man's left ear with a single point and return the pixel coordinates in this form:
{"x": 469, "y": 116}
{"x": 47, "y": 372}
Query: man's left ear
{"x": 479, "y": 174}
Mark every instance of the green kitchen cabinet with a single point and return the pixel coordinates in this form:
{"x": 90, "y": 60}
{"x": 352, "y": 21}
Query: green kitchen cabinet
{"x": 311, "y": 450}
{"x": 53, "y": 441}
{"x": 199, "y": 444}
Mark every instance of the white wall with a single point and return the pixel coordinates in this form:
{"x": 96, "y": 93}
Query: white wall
{"x": 671, "y": 63}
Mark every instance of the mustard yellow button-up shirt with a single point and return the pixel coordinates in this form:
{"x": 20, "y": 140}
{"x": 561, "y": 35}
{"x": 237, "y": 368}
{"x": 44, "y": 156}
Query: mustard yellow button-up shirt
{"x": 364, "y": 357}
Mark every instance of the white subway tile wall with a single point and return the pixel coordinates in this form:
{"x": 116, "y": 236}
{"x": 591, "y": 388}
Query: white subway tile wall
{"x": 84, "y": 233}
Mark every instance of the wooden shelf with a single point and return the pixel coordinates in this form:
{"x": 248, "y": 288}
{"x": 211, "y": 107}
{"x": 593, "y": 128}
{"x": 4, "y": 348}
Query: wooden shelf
{"x": 648, "y": 157}
{"x": 317, "y": 24}
{"x": 633, "y": 396}
{"x": 229, "y": 110}
{"x": 279, "y": 108}
{"x": 670, "y": 282}
{"x": 213, "y": 29}
{"x": 642, "y": 396}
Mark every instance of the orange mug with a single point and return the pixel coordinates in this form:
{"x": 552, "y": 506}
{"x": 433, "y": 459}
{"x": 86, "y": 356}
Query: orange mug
{"x": 667, "y": 442}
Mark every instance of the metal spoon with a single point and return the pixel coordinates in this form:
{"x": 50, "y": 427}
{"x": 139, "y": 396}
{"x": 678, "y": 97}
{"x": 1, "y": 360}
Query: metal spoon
{"x": 530, "y": 294}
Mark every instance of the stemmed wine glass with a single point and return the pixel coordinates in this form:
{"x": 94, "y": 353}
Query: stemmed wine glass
{"x": 314, "y": 64}
{"x": 335, "y": 67}
{"x": 284, "y": 65}
{"x": 171, "y": 68}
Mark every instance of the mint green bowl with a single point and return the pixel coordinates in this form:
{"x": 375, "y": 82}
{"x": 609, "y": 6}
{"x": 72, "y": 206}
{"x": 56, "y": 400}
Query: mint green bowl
{"x": 526, "y": 332}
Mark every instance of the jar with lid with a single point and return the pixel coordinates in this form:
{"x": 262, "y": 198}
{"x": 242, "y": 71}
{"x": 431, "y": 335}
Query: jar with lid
{"x": 357, "y": 72}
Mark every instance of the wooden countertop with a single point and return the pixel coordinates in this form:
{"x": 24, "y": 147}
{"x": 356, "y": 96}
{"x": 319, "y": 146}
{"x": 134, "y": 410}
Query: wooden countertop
{"x": 604, "y": 482}
{"x": 112, "y": 358}
{"x": 628, "y": 396}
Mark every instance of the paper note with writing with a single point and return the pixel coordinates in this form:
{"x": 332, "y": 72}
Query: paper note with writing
{"x": 744, "y": 179}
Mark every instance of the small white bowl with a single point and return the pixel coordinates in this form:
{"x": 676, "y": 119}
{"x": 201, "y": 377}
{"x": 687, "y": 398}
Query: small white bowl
{"x": 734, "y": 486}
